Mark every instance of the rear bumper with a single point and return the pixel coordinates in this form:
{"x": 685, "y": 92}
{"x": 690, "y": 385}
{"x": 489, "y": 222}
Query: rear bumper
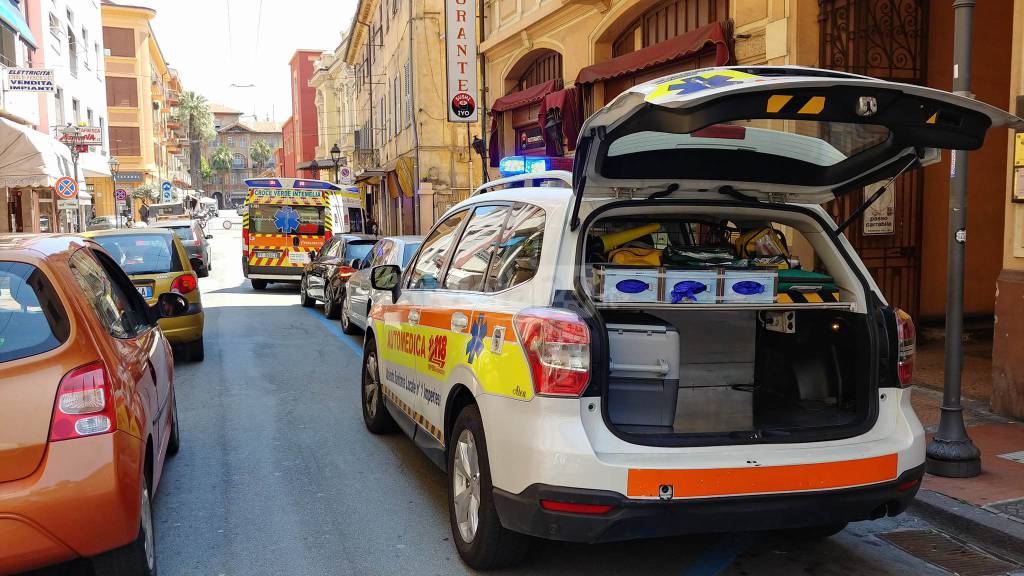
{"x": 82, "y": 500}
{"x": 272, "y": 273}
{"x": 632, "y": 519}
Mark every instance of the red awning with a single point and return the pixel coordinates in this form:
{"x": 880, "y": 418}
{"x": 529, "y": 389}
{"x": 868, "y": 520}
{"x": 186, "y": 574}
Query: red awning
{"x": 531, "y": 95}
{"x": 684, "y": 46}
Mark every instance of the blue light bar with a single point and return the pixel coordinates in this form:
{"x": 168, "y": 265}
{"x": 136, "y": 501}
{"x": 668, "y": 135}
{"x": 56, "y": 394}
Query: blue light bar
{"x": 512, "y": 165}
{"x": 263, "y": 183}
{"x": 315, "y": 185}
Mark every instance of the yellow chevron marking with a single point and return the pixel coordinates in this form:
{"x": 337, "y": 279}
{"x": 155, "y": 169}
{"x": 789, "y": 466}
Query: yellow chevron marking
{"x": 777, "y": 101}
{"x": 933, "y": 118}
{"x": 813, "y": 106}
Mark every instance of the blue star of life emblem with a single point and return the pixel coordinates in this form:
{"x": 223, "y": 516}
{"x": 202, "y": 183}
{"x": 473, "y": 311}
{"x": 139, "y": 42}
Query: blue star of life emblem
{"x": 286, "y": 220}
{"x": 476, "y": 338}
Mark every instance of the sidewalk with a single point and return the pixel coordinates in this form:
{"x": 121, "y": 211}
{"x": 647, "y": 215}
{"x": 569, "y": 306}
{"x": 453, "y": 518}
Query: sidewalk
{"x": 987, "y": 509}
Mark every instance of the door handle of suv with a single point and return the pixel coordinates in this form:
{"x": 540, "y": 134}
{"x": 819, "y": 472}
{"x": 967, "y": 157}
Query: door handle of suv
{"x": 459, "y": 322}
{"x": 414, "y": 317}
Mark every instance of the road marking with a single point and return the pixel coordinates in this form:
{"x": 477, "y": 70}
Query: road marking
{"x": 335, "y": 329}
{"x": 719, "y": 556}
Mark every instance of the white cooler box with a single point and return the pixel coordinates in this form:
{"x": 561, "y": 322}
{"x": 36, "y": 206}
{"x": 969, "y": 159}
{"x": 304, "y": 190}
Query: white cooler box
{"x": 644, "y": 374}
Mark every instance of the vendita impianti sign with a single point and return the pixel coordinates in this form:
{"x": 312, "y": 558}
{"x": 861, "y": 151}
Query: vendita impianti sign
{"x": 460, "y": 49}
{"x": 30, "y": 80}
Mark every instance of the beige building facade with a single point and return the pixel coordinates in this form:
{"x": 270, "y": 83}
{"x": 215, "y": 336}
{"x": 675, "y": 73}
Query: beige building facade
{"x": 412, "y": 163}
{"x": 335, "y": 100}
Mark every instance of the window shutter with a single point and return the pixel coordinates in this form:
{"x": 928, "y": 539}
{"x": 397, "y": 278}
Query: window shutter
{"x": 408, "y": 93}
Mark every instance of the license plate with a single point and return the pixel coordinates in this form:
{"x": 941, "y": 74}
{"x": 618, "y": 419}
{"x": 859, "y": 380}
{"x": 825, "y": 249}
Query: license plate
{"x": 146, "y": 291}
{"x": 298, "y": 257}
{"x": 268, "y": 254}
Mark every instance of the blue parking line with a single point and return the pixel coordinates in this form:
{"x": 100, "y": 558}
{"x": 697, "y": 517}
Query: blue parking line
{"x": 335, "y": 328}
{"x": 720, "y": 556}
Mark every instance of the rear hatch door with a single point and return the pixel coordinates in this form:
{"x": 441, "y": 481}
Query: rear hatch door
{"x": 770, "y": 133}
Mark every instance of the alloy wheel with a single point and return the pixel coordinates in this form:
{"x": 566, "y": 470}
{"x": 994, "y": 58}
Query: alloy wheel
{"x": 371, "y": 387}
{"x": 466, "y": 483}
{"x": 147, "y": 529}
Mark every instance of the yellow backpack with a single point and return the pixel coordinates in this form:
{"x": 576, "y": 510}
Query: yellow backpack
{"x": 635, "y": 256}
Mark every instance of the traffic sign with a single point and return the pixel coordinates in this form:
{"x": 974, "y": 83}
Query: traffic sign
{"x": 345, "y": 175}
{"x": 167, "y": 195}
{"x": 120, "y": 195}
{"x": 166, "y": 186}
{"x": 66, "y": 188}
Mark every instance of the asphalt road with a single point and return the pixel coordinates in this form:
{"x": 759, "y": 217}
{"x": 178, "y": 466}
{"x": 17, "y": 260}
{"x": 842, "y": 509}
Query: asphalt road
{"x": 277, "y": 475}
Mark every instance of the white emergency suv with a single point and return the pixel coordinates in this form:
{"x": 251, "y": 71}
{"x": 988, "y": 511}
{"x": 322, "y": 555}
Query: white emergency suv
{"x": 675, "y": 337}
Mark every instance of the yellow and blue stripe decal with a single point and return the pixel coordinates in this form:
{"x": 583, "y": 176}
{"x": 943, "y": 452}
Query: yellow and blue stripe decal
{"x": 414, "y": 415}
{"x": 686, "y": 84}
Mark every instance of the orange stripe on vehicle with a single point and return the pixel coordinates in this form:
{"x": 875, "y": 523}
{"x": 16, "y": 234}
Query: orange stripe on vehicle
{"x": 760, "y": 480}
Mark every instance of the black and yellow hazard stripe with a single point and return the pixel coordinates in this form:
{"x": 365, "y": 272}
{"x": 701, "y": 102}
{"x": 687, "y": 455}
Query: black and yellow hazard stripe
{"x": 794, "y": 297}
{"x": 416, "y": 417}
{"x": 789, "y": 104}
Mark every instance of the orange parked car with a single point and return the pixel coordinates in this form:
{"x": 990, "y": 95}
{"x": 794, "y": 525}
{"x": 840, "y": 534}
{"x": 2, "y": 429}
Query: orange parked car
{"x": 87, "y": 407}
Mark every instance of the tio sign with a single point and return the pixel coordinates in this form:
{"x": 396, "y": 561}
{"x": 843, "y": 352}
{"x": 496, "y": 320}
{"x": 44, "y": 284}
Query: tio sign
{"x": 66, "y": 188}
{"x": 460, "y": 48}
{"x": 120, "y": 195}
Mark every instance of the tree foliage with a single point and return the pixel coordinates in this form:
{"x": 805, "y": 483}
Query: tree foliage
{"x": 204, "y": 168}
{"x": 260, "y": 153}
{"x": 194, "y": 113}
{"x": 220, "y": 160}
{"x": 146, "y": 193}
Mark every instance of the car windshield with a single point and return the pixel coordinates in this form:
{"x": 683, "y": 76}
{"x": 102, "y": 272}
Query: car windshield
{"x": 408, "y": 253}
{"x": 32, "y": 318}
{"x": 277, "y": 219}
{"x": 358, "y": 249}
{"x": 142, "y": 253}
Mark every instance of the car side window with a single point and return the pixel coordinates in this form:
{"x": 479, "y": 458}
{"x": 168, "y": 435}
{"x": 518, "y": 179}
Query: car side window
{"x": 333, "y": 251}
{"x": 473, "y": 254}
{"x": 517, "y": 254}
{"x": 112, "y": 305}
{"x": 426, "y": 273}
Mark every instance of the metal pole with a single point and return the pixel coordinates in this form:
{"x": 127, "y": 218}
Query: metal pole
{"x": 951, "y": 453}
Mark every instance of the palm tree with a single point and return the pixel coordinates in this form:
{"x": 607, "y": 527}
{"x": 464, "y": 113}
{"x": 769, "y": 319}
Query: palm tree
{"x": 220, "y": 160}
{"x": 260, "y": 154}
{"x": 194, "y": 113}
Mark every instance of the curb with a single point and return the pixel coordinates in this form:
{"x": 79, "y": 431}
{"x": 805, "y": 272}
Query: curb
{"x": 985, "y": 529}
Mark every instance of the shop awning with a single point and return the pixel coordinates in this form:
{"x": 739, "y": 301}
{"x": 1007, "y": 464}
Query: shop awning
{"x": 14, "y": 18}
{"x": 29, "y": 158}
{"x": 94, "y": 165}
{"x": 683, "y": 46}
{"x": 531, "y": 95}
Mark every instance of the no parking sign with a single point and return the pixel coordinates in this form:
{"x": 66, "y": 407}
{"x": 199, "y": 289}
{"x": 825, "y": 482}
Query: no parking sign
{"x": 66, "y": 188}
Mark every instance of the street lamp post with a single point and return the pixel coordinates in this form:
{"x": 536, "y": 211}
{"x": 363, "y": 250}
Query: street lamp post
{"x": 114, "y": 164}
{"x": 74, "y": 136}
{"x": 336, "y": 158}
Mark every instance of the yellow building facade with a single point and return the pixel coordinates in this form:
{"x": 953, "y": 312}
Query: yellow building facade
{"x": 412, "y": 163}
{"x": 335, "y": 105}
{"x": 142, "y": 95}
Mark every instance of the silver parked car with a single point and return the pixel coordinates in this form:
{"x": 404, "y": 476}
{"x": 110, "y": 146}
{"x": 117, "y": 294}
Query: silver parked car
{"x": 359, "y": 295}
{"x": 195, "y": 241}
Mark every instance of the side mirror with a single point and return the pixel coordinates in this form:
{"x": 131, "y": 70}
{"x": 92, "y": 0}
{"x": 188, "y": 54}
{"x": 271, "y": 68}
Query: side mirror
{"x": 169, "y": 305}
{"x": 355, "y": 263}
{"x": 196, "y": 263}
{"x": 209, "y": 236}
{"x": 312, "y": 255}
{"x": 386, "y": 278}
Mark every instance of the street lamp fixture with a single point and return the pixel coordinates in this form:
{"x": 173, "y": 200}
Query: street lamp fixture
{"x": 114, "y": 165}
{"x": 336, "y": 158}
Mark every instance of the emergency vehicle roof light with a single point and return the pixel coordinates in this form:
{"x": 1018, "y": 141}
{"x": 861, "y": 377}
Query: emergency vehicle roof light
{"x": 512, "y": 165}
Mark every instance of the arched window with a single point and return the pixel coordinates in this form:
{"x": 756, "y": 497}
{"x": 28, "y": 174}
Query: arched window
{"x": 238, "y": 162}
{"x": 666, "y": 20}
{"x": 547, "y": 66}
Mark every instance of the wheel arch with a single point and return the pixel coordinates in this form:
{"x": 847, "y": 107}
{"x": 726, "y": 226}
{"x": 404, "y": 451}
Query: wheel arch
{"x": 459, "y": 397}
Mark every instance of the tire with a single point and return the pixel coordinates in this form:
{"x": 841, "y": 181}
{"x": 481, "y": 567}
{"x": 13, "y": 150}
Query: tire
{"x": 332, "y": 308}
{"x": 203, "y": 272}
{"x": 490, "y": 545}
{"x": 375, "y": 415}
{"x": 174, "y": 444}
{"x": 258, "y": 284}
{"x": 195, "y": 351}
{"x": 304, "y": 298}
{"x": 137, "y": 558}
{"x": 347, "y": 326}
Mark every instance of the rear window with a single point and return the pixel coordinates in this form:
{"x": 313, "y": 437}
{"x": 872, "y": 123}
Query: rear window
{"x": 142, "y": 253}
{"x": 358, "y": 249}
{"x": 32, "y": 318}
{"x": 277, "y": 219}
{"x": 184, "y": 232}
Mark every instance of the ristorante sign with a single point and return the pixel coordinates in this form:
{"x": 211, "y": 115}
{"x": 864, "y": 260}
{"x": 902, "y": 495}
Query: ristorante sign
{"x": 460, "y": 49}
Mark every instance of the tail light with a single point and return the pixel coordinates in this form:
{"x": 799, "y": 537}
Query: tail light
{"x": 327, "y": 235}
{"x": 245, "y": 243}
{"x": 345, "y": 271}
{"x": 85, "y": 404}
{"x": 557, "y": 347}
{"x": 575, "y": 508}
{"x": 184, "y": 284}
{"x": 906, "y": 347}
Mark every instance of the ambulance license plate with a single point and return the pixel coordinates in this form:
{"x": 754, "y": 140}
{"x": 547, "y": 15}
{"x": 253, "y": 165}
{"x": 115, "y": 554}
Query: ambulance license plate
{"x": 273, "y": 255}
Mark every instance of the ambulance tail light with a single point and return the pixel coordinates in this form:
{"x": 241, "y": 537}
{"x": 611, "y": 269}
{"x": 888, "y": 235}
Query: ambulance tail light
{"x": 245, "y": 243}
{"x": 327, "y": 236}
{"x": 184, "y": 284}
{"x": 906, "y": 347}
{"x": 557, "y": 347}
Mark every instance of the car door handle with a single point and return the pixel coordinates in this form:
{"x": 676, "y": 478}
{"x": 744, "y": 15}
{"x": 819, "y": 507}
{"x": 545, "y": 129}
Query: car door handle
{"x": 414, "y": 317}
{"x": 459, "y": 322}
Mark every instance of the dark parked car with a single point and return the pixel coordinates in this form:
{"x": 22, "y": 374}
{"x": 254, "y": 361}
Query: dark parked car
{"x": 324, "y": 278}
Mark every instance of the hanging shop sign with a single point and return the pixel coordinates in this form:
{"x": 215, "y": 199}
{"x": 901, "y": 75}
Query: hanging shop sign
{"x": 129, "y": 177}
{"x": 460, "y": 48}
{"x": 528, "y": 139}
{"x": 880, "y": 217}
{"x": 29, "y": 80}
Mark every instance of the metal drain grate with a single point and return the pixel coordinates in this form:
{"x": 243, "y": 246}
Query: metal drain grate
{"x": 939, "y": 549}
{"x": 1012, "y": 508}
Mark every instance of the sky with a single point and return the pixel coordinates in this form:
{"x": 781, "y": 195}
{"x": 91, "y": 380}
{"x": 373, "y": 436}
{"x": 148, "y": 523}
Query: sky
{"x": 212, "y": 51}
